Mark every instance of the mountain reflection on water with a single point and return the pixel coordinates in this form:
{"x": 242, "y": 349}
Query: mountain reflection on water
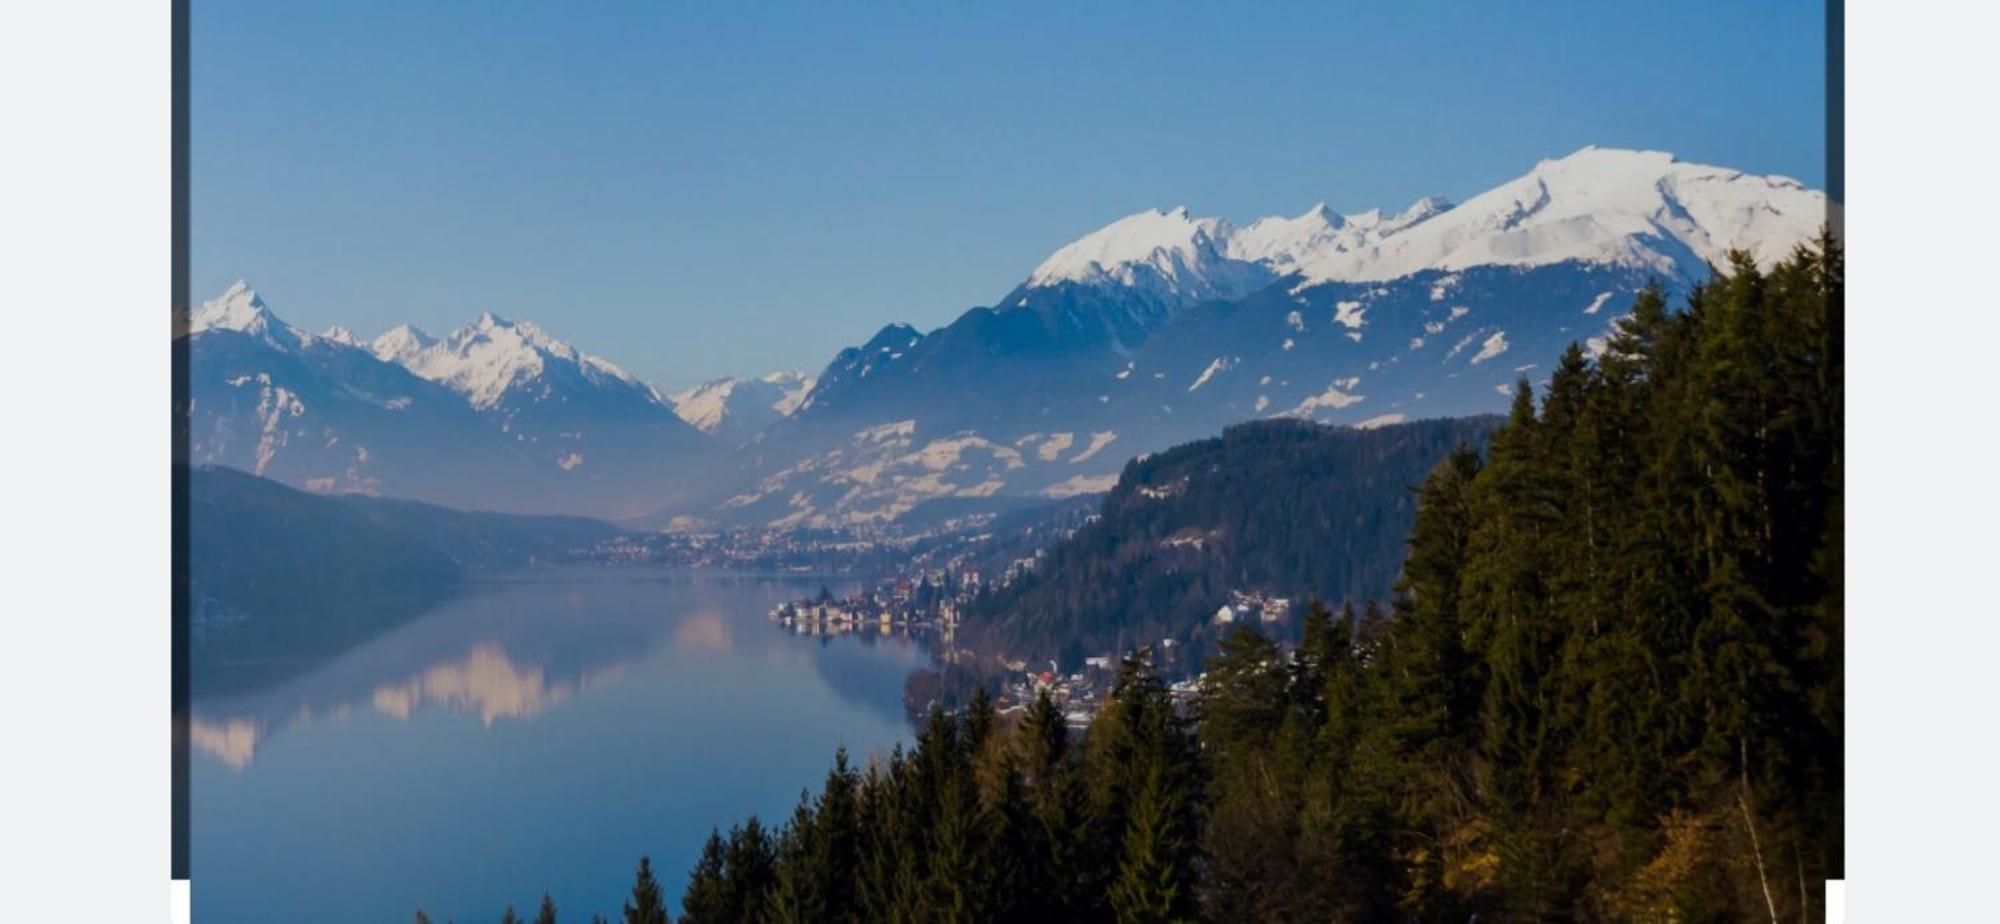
{"x": 612, "y": 711}
{"x": 514, "y": 647}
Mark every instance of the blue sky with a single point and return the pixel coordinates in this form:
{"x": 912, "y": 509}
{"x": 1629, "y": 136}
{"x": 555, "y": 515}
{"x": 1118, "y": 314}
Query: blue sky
{"x": 692, "y": 190}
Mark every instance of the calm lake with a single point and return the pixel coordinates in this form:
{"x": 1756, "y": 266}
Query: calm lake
{"x": 538, "y": 732}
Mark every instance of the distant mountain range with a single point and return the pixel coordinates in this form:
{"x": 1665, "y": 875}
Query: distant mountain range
{"x": 1156, "y": 329}
{"x": 496, "y": 415}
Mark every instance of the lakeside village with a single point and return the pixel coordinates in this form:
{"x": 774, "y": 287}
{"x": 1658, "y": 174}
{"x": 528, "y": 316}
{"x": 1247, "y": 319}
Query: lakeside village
{"x": 934, "y": 575}
{"x": 932, "y": 603}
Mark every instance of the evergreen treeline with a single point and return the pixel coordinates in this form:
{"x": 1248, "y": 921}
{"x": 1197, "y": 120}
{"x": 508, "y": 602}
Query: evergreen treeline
{"x": 1283, "y": 506}
{"x": 1608, "y": 687}
{"x": 982, "y": 821}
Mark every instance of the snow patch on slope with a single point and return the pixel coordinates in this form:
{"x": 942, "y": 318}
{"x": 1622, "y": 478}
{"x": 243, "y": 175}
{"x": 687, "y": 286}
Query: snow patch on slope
{"x": 1219, "y": 364}
{"x": 1333, "y": 398}
{"x": 1494, "y": 346}
{"x": 1098, "y": 441}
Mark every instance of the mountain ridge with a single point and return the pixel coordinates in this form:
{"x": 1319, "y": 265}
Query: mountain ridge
{"x": 1152, "y": 330}
{"x": 497, "y": 414}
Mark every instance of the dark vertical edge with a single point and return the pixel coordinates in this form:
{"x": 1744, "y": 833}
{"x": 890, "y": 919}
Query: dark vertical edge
{"x": 1836, "y": 224}
{"x": 178, "y": 519}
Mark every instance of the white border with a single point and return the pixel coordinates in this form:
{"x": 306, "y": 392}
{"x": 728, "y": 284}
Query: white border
{"x": 84, "y": 222}
{"x": 83, "y": 237}
{"x": 1923, "y": 354}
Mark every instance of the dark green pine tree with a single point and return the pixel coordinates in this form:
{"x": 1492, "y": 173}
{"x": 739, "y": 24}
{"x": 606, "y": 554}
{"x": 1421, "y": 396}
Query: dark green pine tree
{"x": 795, "y": 895}
{"x": 978, "y": 721}
{"x": 1043, "y": 741}
{"x": 646, "y": 905}
{"x": 509, "y": 917}
{"x": 1149, "y": 782}
{"x": 882, "y": 825}
{"x": 1154, "y": 884}
{"x": 1009, "y": 868}
{"x": 836, "y": 844}
{"x": 916, "y": 808}
{"x": 1414, "y": 766}
{"x": 423, "y": 918}
{"x": 1346, "y": 852}
{"x": 1316, "y": 651}
{"x": 1516, "y": 632}
{"x": 1435, "y": 680}
{"x": 750, "y": 871}
{"x": 1251, "y": 733}
{"x": 1249, "y": 696}
{"x": 706, "y": 900}
{"x": 1062, "y": 875}
{"x": 546, "y": 913}
{"x": 952, "y": 893}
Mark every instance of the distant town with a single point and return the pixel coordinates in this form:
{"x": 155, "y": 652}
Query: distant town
{"x": 932, "y": 602}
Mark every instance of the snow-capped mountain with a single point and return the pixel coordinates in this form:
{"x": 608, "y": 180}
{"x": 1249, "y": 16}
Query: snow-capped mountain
{"x": 319, "y": 412}
{"x": 497, "y": 415}
{"x": 1638, "y": 209}
{"x": 240, "y": 309}
{"x": 734, "y": 409}
{"x": 1163, "y": 327}
{"x": 1156, "y": 329}
{"x": 402, "y": 345}
{"x": 1628, "y": 208}
{"x": 1285, "y": 245}
{"x": 495, "y": 362}
{"x": 616, "y": 440}
{"x": 1164, "y": 259}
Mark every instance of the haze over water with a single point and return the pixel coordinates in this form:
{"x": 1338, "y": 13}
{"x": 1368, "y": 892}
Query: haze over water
{"x": 539, "y": 732}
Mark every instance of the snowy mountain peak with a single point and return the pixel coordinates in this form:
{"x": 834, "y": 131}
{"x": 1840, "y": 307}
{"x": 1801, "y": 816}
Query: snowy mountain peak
{"x": 733, "y": 408}
{"x": 401, "y": 343}
{"x": 1170, "y": 242}
{"x": 1420, "y": 210}
{"x": 239, "y": 307}
{"x": 797, "y": 384}
{"x": 1277, "y": 243}
{"x": 1598, "y": 205}
{"x": 1643, "y": 209}
{"x": 492, "y": 356}
{"x": 1169, "y": 257}
{"x": 341, "y": 335}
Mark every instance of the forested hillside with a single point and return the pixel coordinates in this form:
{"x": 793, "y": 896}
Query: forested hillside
{"x": 1608, "y": 688}
{"x": 265, "y": 556}
{"x": 1285, "y": 507}
{"x": 481, "y": 540}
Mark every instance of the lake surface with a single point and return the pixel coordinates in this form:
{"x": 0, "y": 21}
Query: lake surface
{"x": 538, "y": 732}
